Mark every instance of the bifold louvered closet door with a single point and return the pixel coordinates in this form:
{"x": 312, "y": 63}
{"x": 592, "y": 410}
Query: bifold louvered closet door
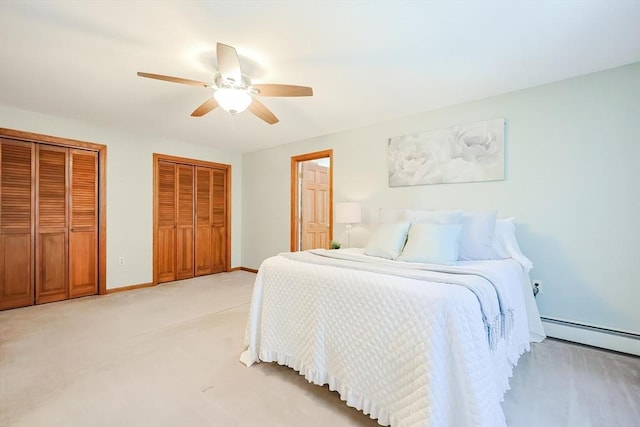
{"x": 48, "y": 223}
{"x": 211, "y": 219}
{"x": 191, "y": 218}
{"x": 17, "y": 171}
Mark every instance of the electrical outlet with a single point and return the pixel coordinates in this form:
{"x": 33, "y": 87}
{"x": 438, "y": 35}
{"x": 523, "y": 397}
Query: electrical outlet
{"x": 121, "y": 260}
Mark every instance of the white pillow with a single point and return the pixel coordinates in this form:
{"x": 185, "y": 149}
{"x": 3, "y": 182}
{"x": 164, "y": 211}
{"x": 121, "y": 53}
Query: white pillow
{"x": 505, "y": 230}
{"x": 433, "y": 217}
{"x": 477, "y": 235}
{"x": 432, "y": 243}
{"x": 505, "y": 243}
{"x": 388, "y": 240}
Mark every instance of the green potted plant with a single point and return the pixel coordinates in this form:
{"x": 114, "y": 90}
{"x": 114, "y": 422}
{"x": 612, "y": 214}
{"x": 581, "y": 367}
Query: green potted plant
{"x": 335, "y": 244}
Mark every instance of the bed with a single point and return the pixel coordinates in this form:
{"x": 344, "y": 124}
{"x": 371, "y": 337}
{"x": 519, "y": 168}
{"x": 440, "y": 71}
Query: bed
{"x": 408, "y": 343}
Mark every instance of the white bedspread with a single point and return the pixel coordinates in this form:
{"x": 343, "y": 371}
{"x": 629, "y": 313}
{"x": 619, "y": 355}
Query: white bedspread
{"x": 405, "y": 351}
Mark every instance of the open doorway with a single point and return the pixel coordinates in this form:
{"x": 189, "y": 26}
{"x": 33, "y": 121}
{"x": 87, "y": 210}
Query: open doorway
{"x": 311, "y": 200}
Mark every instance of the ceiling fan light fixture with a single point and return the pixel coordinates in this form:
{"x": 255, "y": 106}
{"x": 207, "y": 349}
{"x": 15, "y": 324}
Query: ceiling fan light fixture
{"x": 233, "y": 100}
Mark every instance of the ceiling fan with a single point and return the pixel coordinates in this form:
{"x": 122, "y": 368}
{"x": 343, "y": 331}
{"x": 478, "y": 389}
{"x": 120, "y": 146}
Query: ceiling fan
{"x": 233, "y": 90}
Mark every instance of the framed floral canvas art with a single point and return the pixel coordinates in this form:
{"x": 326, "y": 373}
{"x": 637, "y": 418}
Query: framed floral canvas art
{"x": 465, "y": 153}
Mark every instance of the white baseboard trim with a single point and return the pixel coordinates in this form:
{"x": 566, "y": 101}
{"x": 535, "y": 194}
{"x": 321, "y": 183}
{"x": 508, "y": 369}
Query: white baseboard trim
{"x": 592, "y": 335}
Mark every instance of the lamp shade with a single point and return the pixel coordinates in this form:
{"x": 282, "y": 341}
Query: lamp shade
{"x": 232, "y": 100}
{"x": 348, "y": 213}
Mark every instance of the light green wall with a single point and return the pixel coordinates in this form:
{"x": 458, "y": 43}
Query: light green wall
{"x": 130, "y": 188}
{"x": 572, "y": 182}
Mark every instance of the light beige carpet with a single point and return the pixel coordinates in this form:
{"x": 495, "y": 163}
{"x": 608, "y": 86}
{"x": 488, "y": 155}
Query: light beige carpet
{"x": 168, "y": 356}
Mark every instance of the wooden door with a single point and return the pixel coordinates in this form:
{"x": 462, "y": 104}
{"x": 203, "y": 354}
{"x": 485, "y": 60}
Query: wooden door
{"x": 17, "y": 170}
{"x": 191, "y": 214}
{"x": 52, "y": 238}
{"x": 184, "y": 223}
{"x": 83, "y": 231}
{"x": 218, "y": 220}
{"x": 166, "y": 222}
{"x": 203, "y": 221}
{"x": 315, "y": 207}
{"x": 52, "y": 212}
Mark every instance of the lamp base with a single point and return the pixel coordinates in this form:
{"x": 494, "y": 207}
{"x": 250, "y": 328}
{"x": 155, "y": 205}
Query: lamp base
{"x": 348, "y": 228}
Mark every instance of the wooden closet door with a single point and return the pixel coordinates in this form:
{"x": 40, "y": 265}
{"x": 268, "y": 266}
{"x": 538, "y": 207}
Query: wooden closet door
{"x": 166, "y": 222}
{"x": 203, "y": 221}
{"x": 17, "y": 170}
{"x": 184, "y": 227}
{"x": 83, "y": 232}
{"x": 51, "y": 224}
{"x": 218, "y": 220}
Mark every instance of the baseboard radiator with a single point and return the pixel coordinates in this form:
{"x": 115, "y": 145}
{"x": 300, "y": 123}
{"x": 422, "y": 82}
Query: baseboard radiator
{"x": 594, "y": 335}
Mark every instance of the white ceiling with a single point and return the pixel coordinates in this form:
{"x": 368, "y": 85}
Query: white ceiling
{"x": 367, "y": 61}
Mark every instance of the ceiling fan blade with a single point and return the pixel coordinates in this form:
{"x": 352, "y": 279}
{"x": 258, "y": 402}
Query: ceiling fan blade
{"x": 257, "y": 108}
{"x": 174, "y": 79}
{"x": 228, "y": 62}
{"x": 283, "y": 90}
{"x": 205, "y": 107}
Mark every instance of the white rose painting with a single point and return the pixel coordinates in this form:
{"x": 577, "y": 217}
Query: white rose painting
{"x": 465, "y": 153}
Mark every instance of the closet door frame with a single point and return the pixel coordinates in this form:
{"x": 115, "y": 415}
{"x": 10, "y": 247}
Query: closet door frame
{"x": 102, "y": 187}
{"x": 227, "y": 199}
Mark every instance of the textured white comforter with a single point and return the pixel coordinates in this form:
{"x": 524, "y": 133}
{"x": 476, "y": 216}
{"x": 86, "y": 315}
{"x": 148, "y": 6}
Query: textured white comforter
{"x": 405, "y": 351}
